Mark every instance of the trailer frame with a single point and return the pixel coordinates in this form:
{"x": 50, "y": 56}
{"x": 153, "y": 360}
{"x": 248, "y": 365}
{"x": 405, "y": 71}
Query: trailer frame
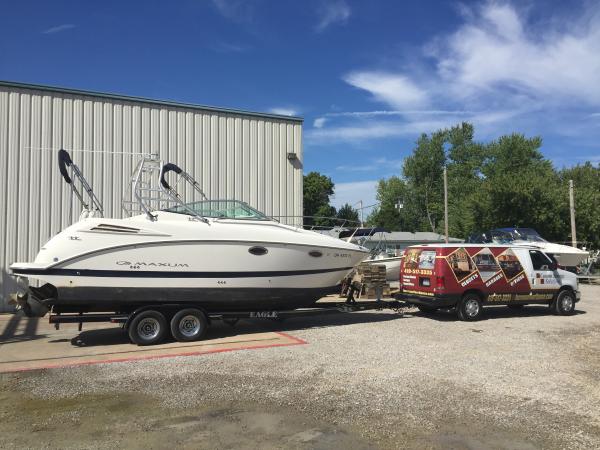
{"x": 229, "y": 317}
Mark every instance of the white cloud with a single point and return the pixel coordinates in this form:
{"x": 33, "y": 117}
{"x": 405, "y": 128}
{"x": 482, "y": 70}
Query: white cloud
{"x": 370, "y": 130}
{"x": 396, "y": 90}
{"x": 354, "y": 127}
{"x": 235, "y": 10}
{"x": 372, "y": 114}
{"x": 319, "y": 122}
{"x": 499, "y": 52}
{"x": 498, "y": 65}
{"x": 284, "y": 111}
{"x": 331, "y": 12}
{"x": 59, "y": 28}
{"x": 228, "y": 47}
{"x": 373, "y": 165}
{"x": 355, "y": 191}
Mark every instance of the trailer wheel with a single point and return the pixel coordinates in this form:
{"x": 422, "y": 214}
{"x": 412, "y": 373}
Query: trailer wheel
{"x": 189, "y": 325}
{"x": 564, "y": 304}
{"x": 147, "y": 328}
{"x": 469, "y": 308}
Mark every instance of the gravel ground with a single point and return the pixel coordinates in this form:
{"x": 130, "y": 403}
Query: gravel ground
{"x": 519, "y": 379}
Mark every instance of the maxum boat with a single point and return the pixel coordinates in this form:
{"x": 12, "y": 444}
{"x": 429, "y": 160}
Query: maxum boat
{"x": 565, "y": 255}
{"x": 221, "y": 255}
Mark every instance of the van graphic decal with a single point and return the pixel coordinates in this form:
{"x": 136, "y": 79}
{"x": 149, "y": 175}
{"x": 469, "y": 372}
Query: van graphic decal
{"x": 427, "y": 259}
{"x": 418, "y": 262}
{"x": 461, "y": 264}
{"x": 487, "y": 266}
{"x": 491, "y": 281}
{"x": 510, "y": 265}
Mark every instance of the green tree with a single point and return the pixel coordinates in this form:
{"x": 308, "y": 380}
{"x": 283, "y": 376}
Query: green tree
{"x": 388, "y": 214}
{"x": 325, "y": 216}
{"x": 465, "y": 161}
{"x": 347, "y": 212}
{"x": 422, "y": 173}
{"x": 317, "y": 190}
{"x": 520, "y": 188}
{"x": 586, "y": 182}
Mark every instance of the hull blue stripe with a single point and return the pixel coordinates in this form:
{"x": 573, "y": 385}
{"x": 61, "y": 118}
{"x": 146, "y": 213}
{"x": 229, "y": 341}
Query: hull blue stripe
{"x": 165, "y": 274}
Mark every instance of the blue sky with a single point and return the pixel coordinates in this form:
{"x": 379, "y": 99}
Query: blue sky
{"x": 367, "y": 76}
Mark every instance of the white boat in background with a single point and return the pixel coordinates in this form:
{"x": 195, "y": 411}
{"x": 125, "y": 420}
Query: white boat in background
{"x": 379, "y": 254}
{"x": 565, "y": 255}
{"x": 217, "y": 254}
{"x": 391, "y": 263}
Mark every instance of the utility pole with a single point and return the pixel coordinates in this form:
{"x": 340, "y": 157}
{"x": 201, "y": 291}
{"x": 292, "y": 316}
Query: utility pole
{"x": 360, "y": 208}
{"x": 446, "y": 203}
{"x": 572, "y": 208}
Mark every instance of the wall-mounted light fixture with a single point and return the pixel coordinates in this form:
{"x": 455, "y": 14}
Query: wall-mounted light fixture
{"x": 292, "y": 156}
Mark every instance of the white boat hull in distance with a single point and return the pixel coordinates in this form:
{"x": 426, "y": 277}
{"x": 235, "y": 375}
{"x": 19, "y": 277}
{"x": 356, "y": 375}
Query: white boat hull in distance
{"x": 120, "y": 264}
{"x": 392, "y": 266}
{"x": 565, "y": 255}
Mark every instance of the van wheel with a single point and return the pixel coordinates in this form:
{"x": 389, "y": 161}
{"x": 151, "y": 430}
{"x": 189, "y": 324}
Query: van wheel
{"x": 564, "y": 304}
{"x": 470, "y": 308}
{"x": 189, "y": 325}
{"x": 427, "y": 309}
{"x": 147, "y": 328}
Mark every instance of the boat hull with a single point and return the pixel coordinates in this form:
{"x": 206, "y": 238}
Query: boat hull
{"x": 221, "y": 266}
{"x": 127, "y": 299}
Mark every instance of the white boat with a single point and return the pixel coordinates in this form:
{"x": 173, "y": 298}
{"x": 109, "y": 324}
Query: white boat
{"x": 379, "y": 254}
{"x": 391, "y": 263}
{"x": 221, "y": 255}
{"x": 565, "y": 255}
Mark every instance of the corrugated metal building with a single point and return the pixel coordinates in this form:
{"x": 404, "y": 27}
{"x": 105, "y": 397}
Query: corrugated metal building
{"x": 232, "y": 154}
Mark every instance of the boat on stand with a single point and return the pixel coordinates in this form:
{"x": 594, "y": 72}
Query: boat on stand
{"x": 219, "y": 255}
{"x": 566, "y": 255}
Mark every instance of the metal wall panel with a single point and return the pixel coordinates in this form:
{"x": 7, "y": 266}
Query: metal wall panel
{"x": 232, "y": 155}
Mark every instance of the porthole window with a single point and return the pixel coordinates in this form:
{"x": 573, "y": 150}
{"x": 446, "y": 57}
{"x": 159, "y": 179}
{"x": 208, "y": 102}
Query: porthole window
{"x": 258, "y": 251}
{"x": 315, "y": 253}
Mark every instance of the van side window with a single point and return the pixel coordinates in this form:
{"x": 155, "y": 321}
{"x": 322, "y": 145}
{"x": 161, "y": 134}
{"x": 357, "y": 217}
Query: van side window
{"x": 539, "y": 260}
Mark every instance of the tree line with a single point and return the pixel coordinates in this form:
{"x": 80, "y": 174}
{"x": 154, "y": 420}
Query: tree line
{"x": 318, "y": 211}
{"x": 502, "y": 183}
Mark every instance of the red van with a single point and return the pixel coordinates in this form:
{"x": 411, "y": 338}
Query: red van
{"x": 469, "y": 276}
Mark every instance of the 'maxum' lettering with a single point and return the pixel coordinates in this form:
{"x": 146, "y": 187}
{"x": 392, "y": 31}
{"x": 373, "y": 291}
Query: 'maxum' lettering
{"x": 151, "y": 264}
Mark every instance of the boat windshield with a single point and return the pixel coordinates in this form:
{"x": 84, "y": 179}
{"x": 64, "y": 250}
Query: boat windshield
{"x": 500, "y": 237}
{"x": 219, "y": 209}
{"x": 527, "y": 234}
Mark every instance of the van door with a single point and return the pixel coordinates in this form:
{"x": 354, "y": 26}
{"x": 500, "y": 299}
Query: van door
{"x": 417, "y": 271}
{"x": 543, "y": 280}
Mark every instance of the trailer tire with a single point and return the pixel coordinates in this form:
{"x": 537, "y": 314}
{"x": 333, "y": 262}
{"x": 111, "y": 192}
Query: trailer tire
{"x": 469, "y": 308}
{"x": 189, "y": 325}
{"x": 147, "y": 328}
{"x": 564, "y": 303}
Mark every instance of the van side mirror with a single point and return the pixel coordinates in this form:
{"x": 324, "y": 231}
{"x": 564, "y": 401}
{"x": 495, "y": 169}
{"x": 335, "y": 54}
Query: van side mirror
{"x": 553, "y": 266}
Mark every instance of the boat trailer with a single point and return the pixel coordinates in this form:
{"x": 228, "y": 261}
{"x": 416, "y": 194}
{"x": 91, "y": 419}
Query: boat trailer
{"x": 146, "y": 324}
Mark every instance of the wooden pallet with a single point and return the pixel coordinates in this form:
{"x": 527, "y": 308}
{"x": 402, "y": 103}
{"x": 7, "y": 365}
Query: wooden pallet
{"x": 367, "y": 279}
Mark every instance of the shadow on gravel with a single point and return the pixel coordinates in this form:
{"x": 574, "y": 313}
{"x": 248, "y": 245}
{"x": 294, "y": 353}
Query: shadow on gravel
{"x": 218, "y": 329}
{"x": 19, "y": 328}
{"x": 105, "y": 336}
{"x": 330, "y": 320}
{"x": 493, "y": 312}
